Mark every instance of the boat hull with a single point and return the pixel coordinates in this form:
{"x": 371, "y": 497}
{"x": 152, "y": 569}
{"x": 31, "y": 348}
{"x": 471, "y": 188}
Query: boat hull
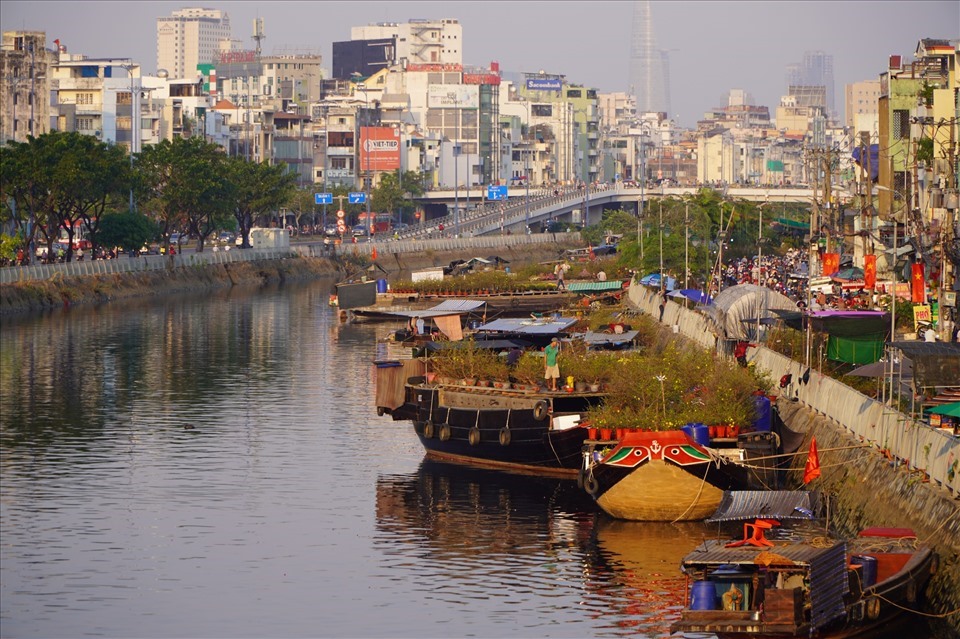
{"x": 522, "y": 432}
{"x": 665, "y": 476}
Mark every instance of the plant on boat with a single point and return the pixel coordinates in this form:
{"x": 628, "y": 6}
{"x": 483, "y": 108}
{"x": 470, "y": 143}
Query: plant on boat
{"x": 529, "y": 368}
{"x": 673, "y": 388}
{"x": 466, "y": 360}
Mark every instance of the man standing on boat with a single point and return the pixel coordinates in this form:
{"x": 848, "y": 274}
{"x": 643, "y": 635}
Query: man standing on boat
{"x": 551, "y": 368}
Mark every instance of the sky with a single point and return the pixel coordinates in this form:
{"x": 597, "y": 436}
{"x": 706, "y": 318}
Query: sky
{"x": 714, "y": 46}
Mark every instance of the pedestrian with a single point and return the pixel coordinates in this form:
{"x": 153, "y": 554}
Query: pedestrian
{"x": 559, "y": 271}
{"x": 551, "y": 369}
{"x": 412, "y": 328}
{"x": 513, "y": 355}
{"x": 663, "y": 302}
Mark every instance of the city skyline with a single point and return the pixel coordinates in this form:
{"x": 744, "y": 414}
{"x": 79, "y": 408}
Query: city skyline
{"x": 713, "y": 47}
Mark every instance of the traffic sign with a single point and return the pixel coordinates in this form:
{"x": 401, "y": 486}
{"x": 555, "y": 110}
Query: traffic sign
{"x": 323, "y": 198}
{"x": 496, "y": 193}
{"x": 340, "y": 214}
{"x": 357, "y": 197}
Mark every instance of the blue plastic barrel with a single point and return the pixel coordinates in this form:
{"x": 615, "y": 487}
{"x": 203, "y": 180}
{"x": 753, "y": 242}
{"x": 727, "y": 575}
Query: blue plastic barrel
{"x": 762, "y": 422}
{"x": 703, "y": 596}
{"x": 869, "y": 568}
{"x": 699, "y": 433}
{"x": 381, "y": 286}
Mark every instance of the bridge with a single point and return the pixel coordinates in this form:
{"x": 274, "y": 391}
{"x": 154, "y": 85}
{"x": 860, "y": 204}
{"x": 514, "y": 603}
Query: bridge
{"x": 540, "y": 206}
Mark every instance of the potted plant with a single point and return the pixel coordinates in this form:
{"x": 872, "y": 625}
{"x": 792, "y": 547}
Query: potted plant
{"x": 529, "y": 370}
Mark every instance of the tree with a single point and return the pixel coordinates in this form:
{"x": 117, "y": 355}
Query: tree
{"x": 394, "y": 194}
{"x": 129, "y": 230}
{"x": 186, "y": 182}
{"x": 26, "y": 199}
{"x": 63, "y": 180}
{"x": 257, "y": 188}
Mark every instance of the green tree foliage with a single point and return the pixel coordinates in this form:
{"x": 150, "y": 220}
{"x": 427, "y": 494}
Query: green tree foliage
{"x": 256, "y": 188}
{"x": 186, "y": 183}
{"x": 394, "y": 195}
{"x": 129, "y": 230}
{"x": 64, "y": 180}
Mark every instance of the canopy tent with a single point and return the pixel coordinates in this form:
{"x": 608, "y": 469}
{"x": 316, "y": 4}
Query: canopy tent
{"x": 745, "y": 301}
{"x": 874, "y": 159}
{"x": 935, "y": 364}
{"x": 902, "y": 368}
{"x": 653, "y": 279}
{"x": 951, "y": 410}
{"x": 692, "y": 294}
{"x": 851, "y": 323}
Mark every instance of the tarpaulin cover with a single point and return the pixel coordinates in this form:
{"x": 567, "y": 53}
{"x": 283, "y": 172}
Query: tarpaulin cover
{"x": 855, "y": 350}
{"x": 934, "y": 363}
{"x": 746, "y": 505}
{"x": 874, "y": 160}
{"x": 356, "y": 295}
{"x": 743, "y": 302}
{"x": 872, "y": 324}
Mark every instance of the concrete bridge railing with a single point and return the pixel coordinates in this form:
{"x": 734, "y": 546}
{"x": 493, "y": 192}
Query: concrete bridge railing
{"x": 910, "y": 442}
{"x": 124, "y": 264}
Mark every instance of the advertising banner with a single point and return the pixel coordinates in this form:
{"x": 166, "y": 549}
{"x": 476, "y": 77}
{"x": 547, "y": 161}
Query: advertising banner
{"x": 453, "y": 96}
{"x": 831, "y": 263}
{"x": 379, "y": 148}
{"x": 544, "y": 84}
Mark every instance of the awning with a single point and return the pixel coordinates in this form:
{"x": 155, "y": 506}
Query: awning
{"x": 609, "y": 339}
{"x": 594, "y": 287}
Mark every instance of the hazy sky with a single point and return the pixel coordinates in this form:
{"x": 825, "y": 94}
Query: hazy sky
{"x": 714, "y": 46}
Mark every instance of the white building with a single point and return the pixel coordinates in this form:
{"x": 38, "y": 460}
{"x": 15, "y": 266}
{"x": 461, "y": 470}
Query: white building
{"x": 190, "y": 37}
{"x": 419, "y": 41}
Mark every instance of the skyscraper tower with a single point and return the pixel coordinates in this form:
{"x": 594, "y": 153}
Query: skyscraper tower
{"x": 649, "y": 66}
{"x": 815, "y": 70}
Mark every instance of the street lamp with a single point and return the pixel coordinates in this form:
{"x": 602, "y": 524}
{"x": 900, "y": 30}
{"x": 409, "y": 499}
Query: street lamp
{"x": 456, "y": 166}
{"x": 368, "y": 181}
{"x": 129, "y": 67}
{"x": 526, "y": 171}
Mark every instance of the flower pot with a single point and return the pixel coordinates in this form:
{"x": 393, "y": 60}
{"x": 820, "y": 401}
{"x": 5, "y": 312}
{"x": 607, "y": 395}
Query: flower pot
{"x": 606, "y": 434}
{"x": 591, "y": 433}
{"x": 733, "y": 431}
{"x": 593, "y": 388}
{"x": 469, "y": 381}
{"x": 580, "y": 386}
{"x": 483, "y": 383}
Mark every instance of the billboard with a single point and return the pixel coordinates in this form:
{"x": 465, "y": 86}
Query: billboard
{"x": 453, "y": 96}
{"x": 544, "y": 84}
{"x": 379, "y": 148}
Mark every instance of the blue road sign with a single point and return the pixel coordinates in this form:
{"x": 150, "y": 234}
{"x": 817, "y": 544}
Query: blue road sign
{"x": 496, "y": 193}
{"x": 357, "y": 197}
{"x": 323, "y": 198}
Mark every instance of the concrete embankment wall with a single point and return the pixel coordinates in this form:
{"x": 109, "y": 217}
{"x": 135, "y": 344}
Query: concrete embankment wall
{"x": 884, "y": 469}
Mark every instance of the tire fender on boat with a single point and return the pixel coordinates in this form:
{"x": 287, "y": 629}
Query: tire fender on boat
{"x": 591, "y": 485}
{"x": 444, "y": 432}
{"x": 381, "y": 411}
{"x": 474, "y": 436}
{"x": 873, "y": 608}
{"x": 505, "y": 436}
{"x": 428, "y": 429}
{"x": 540, "y": 410}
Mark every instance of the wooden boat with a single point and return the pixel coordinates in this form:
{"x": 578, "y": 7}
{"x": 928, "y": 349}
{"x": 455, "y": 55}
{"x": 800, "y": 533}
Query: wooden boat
{"x": 530, "y": 431}
{"x": 668, "y": 476}
{"x": 792, "y": 582}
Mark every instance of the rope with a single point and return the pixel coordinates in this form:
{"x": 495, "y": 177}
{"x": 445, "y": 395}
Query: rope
{"x": 703, "y": 481}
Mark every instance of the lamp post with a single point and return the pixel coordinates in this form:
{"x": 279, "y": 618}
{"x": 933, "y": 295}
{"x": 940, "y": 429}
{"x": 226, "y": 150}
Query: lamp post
{"x": 456, "y": 167}
{"x": 368, "y": 180}
{"x": 526, "y": 171}
{"x": 760, "y": 260}
{"x": 686, "y": 245}
{"x": 643, "y": 182}
{"x": 129, "y": 67}
{"x": 326, "y": 155}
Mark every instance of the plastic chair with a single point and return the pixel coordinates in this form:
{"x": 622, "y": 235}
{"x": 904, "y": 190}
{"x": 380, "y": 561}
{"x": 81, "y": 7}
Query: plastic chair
{"x": 753, "y": 534}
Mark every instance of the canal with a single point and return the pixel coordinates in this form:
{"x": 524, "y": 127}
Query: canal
{"x": 212, "y": 465}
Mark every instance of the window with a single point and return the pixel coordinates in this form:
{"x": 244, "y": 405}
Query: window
{"x": 901, "y": 124}
{"x": 85, "y": 98}
{"x": 84, "y": 124}
{"x": 123, "y": 98}
{"x": 123, "y": 123}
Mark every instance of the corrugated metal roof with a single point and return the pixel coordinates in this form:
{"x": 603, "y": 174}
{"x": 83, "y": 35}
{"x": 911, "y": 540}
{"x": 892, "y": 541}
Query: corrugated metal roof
{"x": 744, "y": 505}
{"x": 600, "y": 339}
{"x": 713, "y": 552}
{"x": 594, "y": 287}
{"x": 529, "y": 325}
{"x": 457, "y": 306}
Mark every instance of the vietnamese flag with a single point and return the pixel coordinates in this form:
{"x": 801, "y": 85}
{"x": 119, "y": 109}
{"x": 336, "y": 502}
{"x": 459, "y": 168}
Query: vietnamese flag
{"x": 870, "y": 271}
{"x": 831, "y": 263}
{"x": 916, "y": 283}
{"x": 812, "y": 470}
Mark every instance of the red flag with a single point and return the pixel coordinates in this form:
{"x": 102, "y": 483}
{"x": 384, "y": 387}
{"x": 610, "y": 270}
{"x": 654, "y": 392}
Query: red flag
{"x": 373, "y": 253}
{"x": 870, "y": 271}
{"x": 812, "y": 470}
{"x": 831, "y": 263}
{"x": 916, "y": 281}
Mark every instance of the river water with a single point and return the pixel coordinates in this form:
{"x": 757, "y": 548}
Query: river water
{"x": 213, "y": 466}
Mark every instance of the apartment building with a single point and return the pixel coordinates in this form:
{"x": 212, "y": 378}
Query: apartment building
{"x": 25, "y": 77}
{"x": 189, "y": 37}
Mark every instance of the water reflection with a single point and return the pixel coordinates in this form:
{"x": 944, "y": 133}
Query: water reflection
{"x": 213, "y": 465}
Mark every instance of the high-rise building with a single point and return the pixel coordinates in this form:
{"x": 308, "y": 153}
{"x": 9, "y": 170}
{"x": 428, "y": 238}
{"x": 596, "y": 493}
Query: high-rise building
{"x": 376, "y": 46}
{"x": 816, "y": 70}
{"x": 862, "y": 99}
{"x": 649, "y": 66}
{"x": 190, "y": 37}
